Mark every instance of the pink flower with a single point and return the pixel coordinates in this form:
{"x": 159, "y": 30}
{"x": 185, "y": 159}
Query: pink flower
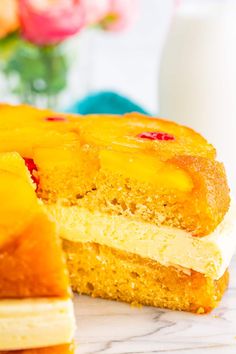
{"x": 121, "y": 14}
{"x": 46, "y": 22}
{"x": 95, "y": 10}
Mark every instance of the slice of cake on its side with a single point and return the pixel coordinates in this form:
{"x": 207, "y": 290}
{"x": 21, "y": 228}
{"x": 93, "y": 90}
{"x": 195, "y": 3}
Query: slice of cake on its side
{"x": 142, "y": 204}
{"x": 61, "y": 349}
{"x": 36, "y": 311}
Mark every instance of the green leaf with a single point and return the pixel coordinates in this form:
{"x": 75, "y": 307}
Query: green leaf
{"x": 8, "y": 45}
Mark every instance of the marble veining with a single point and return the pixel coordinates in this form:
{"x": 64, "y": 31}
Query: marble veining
{"x": 107, "y": 327}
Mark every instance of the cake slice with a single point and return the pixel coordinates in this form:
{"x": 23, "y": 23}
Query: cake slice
{"x": 36, "y": 311}
{"x": 142, "y": 204}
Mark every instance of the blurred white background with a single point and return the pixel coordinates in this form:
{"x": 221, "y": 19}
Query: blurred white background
{"x": 128, "y": 61}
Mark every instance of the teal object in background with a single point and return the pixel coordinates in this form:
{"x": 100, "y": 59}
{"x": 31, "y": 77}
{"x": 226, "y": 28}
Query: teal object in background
{"x": 105, "y": 102}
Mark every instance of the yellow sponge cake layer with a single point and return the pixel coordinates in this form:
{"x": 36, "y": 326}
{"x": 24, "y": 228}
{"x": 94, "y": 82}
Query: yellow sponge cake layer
{"x": 101, "y": 271}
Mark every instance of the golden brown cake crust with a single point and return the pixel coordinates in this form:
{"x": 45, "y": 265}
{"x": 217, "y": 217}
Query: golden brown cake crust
{"x": 206, "y": 206}
{"x": 101, "y": 271}
{"x": 33, "y": 265}
{"x": 61, "y": 349}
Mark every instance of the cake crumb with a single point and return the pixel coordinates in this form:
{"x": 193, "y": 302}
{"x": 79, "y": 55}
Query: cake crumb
{"x": 200, "y": 310}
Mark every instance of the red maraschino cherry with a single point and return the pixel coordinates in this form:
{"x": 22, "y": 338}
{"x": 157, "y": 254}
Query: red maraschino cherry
{"x": 30, "y": 164}
{"x": 156, "y": 136}
{"x": 56, "y": 119}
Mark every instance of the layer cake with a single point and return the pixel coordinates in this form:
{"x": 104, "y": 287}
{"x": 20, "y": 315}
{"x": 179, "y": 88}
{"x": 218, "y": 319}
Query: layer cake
{"x": 142, "y": 204}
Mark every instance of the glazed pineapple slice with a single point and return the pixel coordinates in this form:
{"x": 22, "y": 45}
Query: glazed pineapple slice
{"x": 31, "y": 117}
{"x": 18, "y": 207}
{"x": 11, "y": 140}
{"x": 35, "y": 128}
{"x": 14, "y": 214}
{"x": 12, "y": 162}
{"x": 135, "y": 131}
{"x": 161, "y": 175}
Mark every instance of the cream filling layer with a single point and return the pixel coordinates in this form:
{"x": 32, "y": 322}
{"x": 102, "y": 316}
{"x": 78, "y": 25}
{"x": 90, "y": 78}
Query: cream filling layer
{"x": 35, "y": 323}
{"x": 209, "y": 255}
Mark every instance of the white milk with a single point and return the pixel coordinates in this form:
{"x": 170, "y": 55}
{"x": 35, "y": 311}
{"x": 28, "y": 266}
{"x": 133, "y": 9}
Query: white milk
{"x": 198, "y": 74}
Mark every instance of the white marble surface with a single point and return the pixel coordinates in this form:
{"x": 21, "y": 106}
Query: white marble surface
{"x": 116, "y": 328}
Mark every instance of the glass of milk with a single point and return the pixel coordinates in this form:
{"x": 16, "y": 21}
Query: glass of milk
{"x": 198, "y": 73}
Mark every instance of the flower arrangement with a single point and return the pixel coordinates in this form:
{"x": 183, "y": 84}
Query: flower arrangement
{"x": 32, "y": 34}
